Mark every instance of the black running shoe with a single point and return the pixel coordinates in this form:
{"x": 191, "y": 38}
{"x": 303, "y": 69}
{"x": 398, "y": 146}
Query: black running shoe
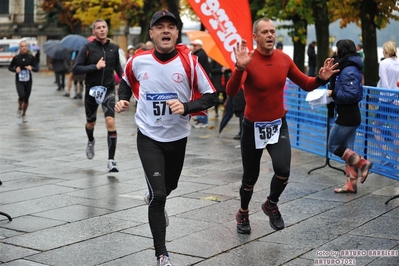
{"x": 243, "y": 226}
{"x": 275, "y": 219}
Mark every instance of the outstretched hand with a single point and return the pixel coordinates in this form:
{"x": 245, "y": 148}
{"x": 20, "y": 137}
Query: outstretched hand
{"x": 328, "y": 69}
{"x": 243, "y": 58}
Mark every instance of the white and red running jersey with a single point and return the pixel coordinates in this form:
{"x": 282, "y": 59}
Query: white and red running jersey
{"x": 153, "y": 82}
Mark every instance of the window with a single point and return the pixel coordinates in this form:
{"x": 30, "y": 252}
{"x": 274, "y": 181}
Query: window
{"x": 29, "y": 11}
{"x": 4, "y": 7}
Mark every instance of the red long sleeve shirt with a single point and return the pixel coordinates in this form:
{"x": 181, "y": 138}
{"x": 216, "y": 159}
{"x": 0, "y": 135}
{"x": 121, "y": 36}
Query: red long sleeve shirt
{"x": 263, "y": 82}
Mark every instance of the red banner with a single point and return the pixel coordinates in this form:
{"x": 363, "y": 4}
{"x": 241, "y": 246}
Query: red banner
{"x": 227, "y": 21}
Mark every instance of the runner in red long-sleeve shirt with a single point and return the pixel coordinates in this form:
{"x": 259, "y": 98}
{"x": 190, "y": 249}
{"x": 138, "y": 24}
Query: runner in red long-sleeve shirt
{"x": 262, "y": 73}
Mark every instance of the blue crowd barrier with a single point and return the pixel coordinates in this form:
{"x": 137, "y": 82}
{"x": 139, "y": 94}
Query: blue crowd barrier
{"x": 377, "y": 137}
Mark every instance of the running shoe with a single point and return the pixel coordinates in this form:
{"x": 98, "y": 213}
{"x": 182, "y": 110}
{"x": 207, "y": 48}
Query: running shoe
{"x": 200, "y": 125}
{"x": 112, "y": 166}
{"x": 19, "y": 113}
{"x": 147, "y": 201}
{"x": 164, "y": 261}
{"x": 275, "y": 219}
{"x": 90, "y": 149}
{"x": 243, "y": 226}
{"x": 24, "y": 119}
{"x": 237, "y": 137}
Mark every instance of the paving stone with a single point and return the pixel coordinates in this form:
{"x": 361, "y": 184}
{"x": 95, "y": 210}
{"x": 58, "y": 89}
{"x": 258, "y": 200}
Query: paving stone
{"x": 11, "y": 252}
{"x": 23, "y": 263}
{"x": 70, "y": 233}
{"x": 256, "y": 253}
{"x": 94, "y": 251}
{"x": 30, "y": 223}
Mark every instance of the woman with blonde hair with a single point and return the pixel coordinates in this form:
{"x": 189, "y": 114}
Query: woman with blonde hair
{"x": 389, "y": 104}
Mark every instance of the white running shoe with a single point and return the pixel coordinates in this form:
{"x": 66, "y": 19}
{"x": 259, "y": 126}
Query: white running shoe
{"x": 164, "y": 261}
{"x": 19, "y": 113}
{"x": 24, "y": 119}
{"x": 200, "y": 125}
{"x": 112, "y": 166}
{"x": 147, "y": 201}
{"x": 90, "y": 149}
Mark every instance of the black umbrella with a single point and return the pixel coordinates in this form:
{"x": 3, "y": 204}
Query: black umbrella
{"x": 227, "y": 113}
{"x": 55, "y": 49}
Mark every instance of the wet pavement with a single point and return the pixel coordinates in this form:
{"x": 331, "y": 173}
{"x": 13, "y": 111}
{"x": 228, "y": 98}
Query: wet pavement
{"x": 68, "y": 210}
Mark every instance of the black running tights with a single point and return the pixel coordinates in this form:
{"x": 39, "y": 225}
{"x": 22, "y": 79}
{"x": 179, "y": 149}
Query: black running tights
{"x": 162, "y": 163}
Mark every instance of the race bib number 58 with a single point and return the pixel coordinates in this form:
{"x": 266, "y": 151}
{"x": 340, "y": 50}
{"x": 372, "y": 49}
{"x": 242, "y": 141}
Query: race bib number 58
{"x": 266, "y": 133}
{"x": 158, "y": 112}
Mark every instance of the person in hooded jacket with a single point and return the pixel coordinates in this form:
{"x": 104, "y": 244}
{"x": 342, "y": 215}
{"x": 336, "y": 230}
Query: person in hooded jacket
{"x": 346, "y": 89}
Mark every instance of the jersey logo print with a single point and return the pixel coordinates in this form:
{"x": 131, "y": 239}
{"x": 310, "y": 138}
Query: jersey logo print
{"x": 156, "y": 174}
{"x": 178, "y": 77}
{"x": 145, "y": 77}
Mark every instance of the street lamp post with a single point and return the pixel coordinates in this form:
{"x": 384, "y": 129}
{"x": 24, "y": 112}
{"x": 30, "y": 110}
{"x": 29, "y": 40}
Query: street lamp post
{"x": 331, "y": 40}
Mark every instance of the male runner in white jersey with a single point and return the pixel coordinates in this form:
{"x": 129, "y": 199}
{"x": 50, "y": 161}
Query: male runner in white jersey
{"x": 164, "y": 81}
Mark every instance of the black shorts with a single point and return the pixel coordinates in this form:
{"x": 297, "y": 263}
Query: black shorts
{"x": 23, "y": 89}
{"x": 108, "y": 105}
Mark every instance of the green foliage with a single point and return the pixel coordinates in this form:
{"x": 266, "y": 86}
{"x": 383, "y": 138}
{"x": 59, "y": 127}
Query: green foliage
{"x": 290, "y": 10}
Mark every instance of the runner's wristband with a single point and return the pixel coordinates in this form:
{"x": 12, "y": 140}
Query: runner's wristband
{"x": 239, "y": 68}
{"x": 320, "y": 81}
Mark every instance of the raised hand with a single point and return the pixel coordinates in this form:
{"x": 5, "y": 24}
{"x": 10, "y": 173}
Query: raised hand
{"x": 243, "y": 58}
{"x": 328, "y": 69}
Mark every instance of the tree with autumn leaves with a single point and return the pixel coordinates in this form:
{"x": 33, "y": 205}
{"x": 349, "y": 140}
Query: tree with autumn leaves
{"x": 77, "y": 15}
{"x": 370, "y": 15}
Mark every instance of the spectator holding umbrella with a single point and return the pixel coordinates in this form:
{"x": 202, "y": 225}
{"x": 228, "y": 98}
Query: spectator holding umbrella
{"x": 37, "y": 58}
{"x": 60, "y": 67}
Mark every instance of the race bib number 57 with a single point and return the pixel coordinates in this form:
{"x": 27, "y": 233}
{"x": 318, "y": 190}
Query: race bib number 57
{"x": 266, "y": 133}
{"x": 158, "y": 112}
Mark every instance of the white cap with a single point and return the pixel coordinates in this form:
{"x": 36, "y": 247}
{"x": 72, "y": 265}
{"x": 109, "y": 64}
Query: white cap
{"x": 197, "y": 42}
{"x": 130, "y": 47}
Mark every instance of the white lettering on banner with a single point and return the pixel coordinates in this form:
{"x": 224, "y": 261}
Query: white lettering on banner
{"x": 221, "y": 23}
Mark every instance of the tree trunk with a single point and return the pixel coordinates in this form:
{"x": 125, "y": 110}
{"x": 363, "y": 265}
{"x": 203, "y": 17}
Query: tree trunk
{"x": 322, "y": 22}
{"x": 173, "y": 7}
{"x": 145, "y": 20}
{"x": 369, "y": 38}
{"x": 299, "y": 46}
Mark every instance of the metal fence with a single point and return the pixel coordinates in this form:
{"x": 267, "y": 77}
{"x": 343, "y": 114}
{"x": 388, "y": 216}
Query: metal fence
{"x": 377, "y": 137}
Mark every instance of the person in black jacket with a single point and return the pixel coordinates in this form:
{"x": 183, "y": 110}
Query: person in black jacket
{"x": 196, "y": 45}
{"x": 98, "y": 60}
{"x": 60, "y": 67}
{"x": 219, "y": 77}
{"x": 312, "y": 59}
{"x": 23, "y": 64}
